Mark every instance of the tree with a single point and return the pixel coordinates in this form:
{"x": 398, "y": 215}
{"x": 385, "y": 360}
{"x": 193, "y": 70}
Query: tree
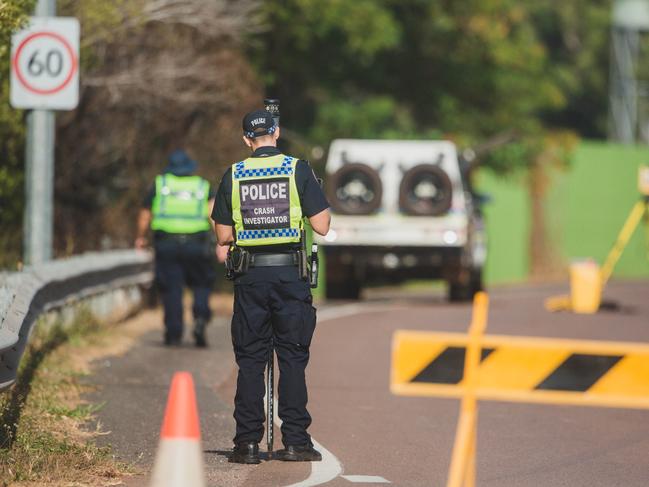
{"x": 576, "y": 37}
{"x": 511, "y": 79}
{"x": 13, "y": 15}
{"x": 515, "y": 80}
{"x": 157, "y": 75}
{"x": 473, "y": 69}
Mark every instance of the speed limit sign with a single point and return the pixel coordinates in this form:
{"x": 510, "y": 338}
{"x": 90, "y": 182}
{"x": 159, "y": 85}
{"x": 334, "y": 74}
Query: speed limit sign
{"x": 45, "y": 64}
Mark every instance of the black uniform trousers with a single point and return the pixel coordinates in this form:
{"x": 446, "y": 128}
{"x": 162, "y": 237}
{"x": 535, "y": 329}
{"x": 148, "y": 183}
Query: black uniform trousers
{"x": 272, "y": 303}
{"x": 183, "y": 260}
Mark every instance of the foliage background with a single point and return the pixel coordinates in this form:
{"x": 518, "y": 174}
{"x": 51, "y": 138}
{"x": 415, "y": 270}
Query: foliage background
{"x": 518, "y": 82}
{"x": 12, "y": 16}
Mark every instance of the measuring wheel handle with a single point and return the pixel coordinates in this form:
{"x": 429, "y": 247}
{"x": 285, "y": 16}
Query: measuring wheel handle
{"x": 270, "y": 403}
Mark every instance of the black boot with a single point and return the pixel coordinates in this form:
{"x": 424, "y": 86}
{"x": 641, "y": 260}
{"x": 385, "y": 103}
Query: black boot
{"x": 298, "y": 453}
{"x": 172, "y": 340}
{"x": 199, "y": 332}
{"x": 247, "y": 453}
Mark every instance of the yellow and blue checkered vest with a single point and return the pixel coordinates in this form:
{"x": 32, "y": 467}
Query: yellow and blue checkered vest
{"x": 265, "y": 201}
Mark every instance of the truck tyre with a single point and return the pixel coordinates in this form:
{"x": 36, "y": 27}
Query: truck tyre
{"x": 355, "y": 189}
{"x": 459, "y": 292}
{"x": 426, "y": 190}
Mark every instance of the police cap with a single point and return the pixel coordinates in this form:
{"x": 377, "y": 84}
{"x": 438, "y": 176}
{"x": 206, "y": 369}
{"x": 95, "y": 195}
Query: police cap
{"x": 258, "y": 123}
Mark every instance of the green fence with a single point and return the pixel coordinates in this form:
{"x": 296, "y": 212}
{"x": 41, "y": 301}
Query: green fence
{"x": 585, "y": 208}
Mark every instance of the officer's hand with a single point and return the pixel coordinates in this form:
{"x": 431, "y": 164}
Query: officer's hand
{"x": 141, "y": 243}
{"x": 221, "y": 252}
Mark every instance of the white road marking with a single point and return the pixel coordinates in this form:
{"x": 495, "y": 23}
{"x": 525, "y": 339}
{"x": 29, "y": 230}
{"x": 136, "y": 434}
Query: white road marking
{"x": 340, "y": 311}
{"x": 336, "y": 312}
{"x": 330, "y": 467}
{"x": 321, "y": 472}
{"x": 366, "y": 479}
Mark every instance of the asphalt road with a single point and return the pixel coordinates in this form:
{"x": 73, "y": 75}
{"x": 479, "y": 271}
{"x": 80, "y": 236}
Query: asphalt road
{"x": 369, "y": 435}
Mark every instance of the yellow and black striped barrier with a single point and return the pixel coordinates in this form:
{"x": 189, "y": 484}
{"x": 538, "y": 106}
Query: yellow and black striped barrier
{"x": 507, "y": 368}
{"x": 540, "y": 370}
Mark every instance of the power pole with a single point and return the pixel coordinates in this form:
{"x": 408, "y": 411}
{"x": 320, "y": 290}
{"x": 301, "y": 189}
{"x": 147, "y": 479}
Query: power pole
{"x": 39, "y": 174}
{"x": 626, "y": 91}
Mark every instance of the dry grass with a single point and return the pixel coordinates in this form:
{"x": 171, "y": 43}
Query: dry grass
{"x": 43, "y": 440}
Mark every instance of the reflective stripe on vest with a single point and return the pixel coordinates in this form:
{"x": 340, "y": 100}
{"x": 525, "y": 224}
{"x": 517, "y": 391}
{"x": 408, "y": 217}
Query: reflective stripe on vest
{"x": 180, "y": 204}
{"x": 265, "y": 201}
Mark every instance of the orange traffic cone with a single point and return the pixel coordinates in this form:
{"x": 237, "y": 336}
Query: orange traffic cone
{"x": 179, "y": 461}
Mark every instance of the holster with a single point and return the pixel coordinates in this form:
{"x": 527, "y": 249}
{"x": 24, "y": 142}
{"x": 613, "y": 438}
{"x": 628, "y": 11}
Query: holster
{"x": 303, "y": 265}
{"x": 237, "y": 262}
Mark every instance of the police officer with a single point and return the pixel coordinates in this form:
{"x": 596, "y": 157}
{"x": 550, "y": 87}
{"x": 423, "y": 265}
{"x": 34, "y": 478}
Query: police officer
{"x": 177, "y": 209}
{"x": 260, "y": 208}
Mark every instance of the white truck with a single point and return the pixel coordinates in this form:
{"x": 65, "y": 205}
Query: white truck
{"x": 402, "y": 209}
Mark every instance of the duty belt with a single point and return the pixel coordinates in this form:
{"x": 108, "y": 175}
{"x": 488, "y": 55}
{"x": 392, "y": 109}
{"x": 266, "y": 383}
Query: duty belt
{"x": 274, "y": 260}
{"x": 181, "y": 237}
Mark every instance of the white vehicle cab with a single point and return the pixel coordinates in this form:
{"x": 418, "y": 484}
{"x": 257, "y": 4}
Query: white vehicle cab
{"x": 402, "y": 210}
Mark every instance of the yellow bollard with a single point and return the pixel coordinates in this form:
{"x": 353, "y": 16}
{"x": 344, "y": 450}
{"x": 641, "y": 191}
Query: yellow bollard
{"x": 585, "y": 286}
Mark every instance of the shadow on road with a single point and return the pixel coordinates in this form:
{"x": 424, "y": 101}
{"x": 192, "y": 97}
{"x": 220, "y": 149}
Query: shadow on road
{"x": 263, "y": 455}
{"x": 395, "y": 295}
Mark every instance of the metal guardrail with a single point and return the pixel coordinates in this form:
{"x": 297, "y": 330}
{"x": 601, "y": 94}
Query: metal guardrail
{"x": 26, "y": 295}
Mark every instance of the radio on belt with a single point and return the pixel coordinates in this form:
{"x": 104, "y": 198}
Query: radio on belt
{"x": 313, "y": 275}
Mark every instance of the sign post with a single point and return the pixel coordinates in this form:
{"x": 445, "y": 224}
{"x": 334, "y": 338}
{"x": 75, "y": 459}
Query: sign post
{"x": 44, "y": 77}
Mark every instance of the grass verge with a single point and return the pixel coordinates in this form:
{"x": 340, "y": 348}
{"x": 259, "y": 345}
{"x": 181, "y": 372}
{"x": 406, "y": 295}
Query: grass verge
{"x": 42, "y": 435}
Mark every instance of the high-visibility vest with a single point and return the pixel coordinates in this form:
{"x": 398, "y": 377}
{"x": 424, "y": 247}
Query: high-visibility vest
{"x": 180, "y": 204}
{"x": 265, "y": 202}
